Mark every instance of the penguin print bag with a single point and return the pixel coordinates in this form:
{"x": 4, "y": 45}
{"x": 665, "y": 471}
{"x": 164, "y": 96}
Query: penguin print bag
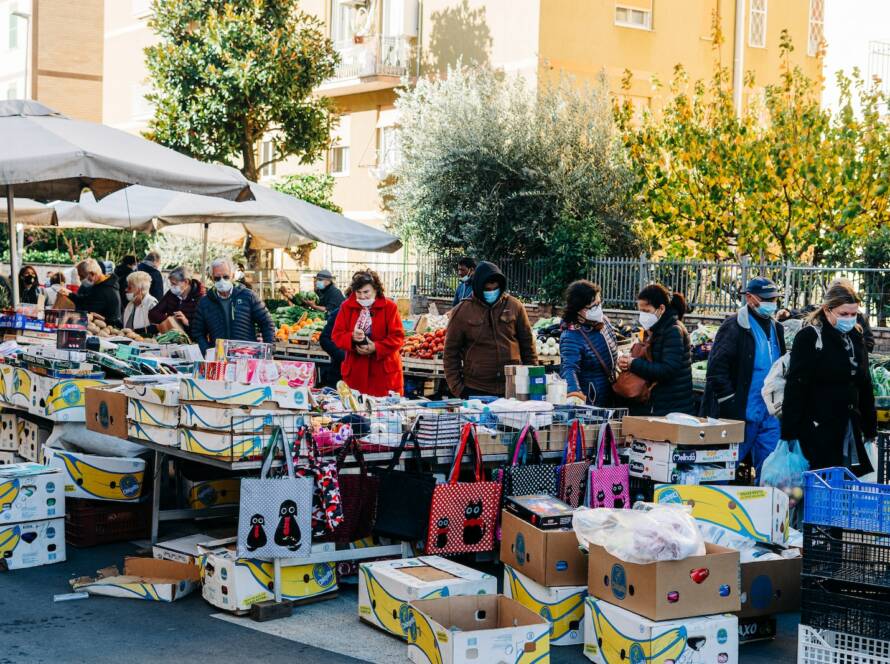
{"x": 463, "y": 515}
{"x": 275, "y": 514}
{"x": 607, "y": 484}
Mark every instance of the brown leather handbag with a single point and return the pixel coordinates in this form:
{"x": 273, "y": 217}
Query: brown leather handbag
{"x": 629, "y": 385}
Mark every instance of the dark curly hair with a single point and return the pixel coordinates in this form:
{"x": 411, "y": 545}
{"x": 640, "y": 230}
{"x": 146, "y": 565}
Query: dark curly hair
{"x": 579, "y": 295}
{"x": 363, "y": 278}
{"x": 657, "y": 295}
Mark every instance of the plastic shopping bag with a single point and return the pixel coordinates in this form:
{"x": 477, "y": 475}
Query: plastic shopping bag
{"x": 785, "y": 466}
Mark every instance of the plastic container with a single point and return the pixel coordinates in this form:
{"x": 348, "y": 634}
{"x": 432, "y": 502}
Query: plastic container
{"x": 816, "y": 646}
{"x": 94, "y": 522}
{"x": 883, "y": 468}
{"x": 835, "y": 497}
{"x": 845, "y": 607}
{"x": 846, "y": 555}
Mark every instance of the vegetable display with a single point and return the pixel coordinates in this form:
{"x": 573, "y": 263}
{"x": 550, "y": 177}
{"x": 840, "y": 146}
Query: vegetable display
{"x": 294, "y": 313}
{"x": 547, "y": 347}
{"x": 173, "y": 337}
{"x": 426, "y": 346}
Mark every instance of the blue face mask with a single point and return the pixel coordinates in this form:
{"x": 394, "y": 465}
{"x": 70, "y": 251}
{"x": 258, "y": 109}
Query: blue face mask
{"x": 845, "y": 324}
{"x": 491, "y": 296}
{"x": 767, "y": 309}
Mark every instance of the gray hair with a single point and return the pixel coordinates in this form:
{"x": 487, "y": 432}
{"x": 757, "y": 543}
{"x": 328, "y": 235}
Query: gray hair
{"x": 87, "y": 266}
{"x": 152, "y": 257}
{"x": 140, "y": 280}
{"x": 181, "y": 273}
{"x": 223, "y": 261}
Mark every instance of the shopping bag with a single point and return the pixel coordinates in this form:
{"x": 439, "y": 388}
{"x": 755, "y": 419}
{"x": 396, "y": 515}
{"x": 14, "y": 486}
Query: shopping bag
{"x": 463, "y": 514}
{"x": 327, "y": 511}
{"x": 785, "y": 466}
{"x": 524, "y": 478}
{"x": 608, "y": 482}
{"x": 404, "y": 497}
{"x": 573, "y": 471}
{"x": 358, "y": 496}
{"x": 275, "y": 515}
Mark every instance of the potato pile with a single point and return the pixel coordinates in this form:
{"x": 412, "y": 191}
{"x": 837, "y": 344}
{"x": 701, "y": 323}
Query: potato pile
{"x": 97, "y": 326}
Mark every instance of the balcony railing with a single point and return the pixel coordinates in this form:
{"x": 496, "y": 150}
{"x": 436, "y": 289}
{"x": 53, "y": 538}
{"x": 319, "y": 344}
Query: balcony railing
{"x": 374, "y": 55}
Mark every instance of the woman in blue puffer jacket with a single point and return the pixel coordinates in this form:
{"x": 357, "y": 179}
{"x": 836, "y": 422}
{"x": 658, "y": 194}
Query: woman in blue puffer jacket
{"x": 587, "y": 346}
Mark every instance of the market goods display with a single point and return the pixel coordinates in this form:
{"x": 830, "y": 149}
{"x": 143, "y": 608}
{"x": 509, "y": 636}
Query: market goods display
{"x": 97, "y": 326}
{"x": 427, "y": 346}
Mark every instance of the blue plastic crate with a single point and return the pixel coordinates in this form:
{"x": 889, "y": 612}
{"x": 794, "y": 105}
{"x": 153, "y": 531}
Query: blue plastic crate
{"x": 835, "y": 497}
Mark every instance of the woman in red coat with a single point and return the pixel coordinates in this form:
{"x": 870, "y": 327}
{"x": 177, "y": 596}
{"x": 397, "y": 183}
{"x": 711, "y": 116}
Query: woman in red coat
{"x": 370, "y": 332}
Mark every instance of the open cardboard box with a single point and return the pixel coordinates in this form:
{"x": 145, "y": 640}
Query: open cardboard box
{"x": 563, "y": 606}
{"x": 665, "y": 590}
{"x": 707, "y": 432}
{"x": 550, "y": 557}
{"x": 770, "y": 587}
{"x": 386, "y": 587}
{"x": 143, "y": 578}
{"x": 489, "y": 628}
{"x": 106, "y": 412}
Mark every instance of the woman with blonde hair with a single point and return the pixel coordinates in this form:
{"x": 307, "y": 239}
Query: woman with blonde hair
{"x": 139, "y": 303}
{"x": 828, "y": 404}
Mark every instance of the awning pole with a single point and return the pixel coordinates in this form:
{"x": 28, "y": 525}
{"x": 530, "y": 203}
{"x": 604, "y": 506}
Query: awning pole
{"x": 204, "y": 253}
{"x": 13, "y": 249}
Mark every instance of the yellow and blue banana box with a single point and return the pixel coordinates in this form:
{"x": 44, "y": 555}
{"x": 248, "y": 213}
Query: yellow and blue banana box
{"x": 9, "y": 440}
{"x": 613, "y": 635}
{"x": 562, "y": 606}
{"x": 152, "y": 414}
{"x": 235, "y": 584}
{"x": 729, "y": 513}
{"x": 476, "y": 628}
{"x": 30, "y": 492}
{"x": 203, "y": 494}
{"x": 386, "y": 587}
{"x": 32, "y": 543}
{"x": 237, "y": 394}
{"x": 98, "y": 477}
{"x": 143, "y": 578}
{"x": 166, "y": 436}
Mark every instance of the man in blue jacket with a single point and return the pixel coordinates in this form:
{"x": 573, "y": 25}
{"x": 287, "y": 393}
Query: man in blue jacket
{"x": 745, "y": 348}
{"x": 466, "y": 266}
{"x": 230, "y": 311}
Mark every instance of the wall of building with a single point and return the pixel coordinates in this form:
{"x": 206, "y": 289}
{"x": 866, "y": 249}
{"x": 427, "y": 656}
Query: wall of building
{"x": 126, "y": 35}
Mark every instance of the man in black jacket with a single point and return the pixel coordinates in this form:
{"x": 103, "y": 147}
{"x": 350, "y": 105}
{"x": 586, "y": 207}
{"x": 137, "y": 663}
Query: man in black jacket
{"x": 331, "y": 374}
{"x": 744, "y": 350}
{"x": 122, "y": 271}
{"x": 98, "y": 292}
{"x": 230, "y": 311}
{"x": 151, "y": 264}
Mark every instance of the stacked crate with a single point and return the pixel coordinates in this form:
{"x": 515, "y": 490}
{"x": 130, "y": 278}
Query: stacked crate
{"x": 845, "y": 586}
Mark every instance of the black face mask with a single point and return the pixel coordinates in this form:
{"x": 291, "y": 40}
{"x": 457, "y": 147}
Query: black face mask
{"x": 29, "y": 279}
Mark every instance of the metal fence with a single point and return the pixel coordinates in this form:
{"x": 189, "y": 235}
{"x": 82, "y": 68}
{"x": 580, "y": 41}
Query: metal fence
{"x": 710, "y": 287}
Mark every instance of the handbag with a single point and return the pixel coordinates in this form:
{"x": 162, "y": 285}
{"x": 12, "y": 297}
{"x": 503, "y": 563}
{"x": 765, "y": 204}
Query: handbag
{"x": 608, "y": 483}
{"x": 275, "y": 514}
{"x": 327, "y": 510}
{"x": 573, "y": 471}
{"x": 521, "y": 479}
{"x": 358, "y": 496}
{"x": 629, "y": 385}
{"x": 404, "y": 497}
{"x": 463, "y": 515}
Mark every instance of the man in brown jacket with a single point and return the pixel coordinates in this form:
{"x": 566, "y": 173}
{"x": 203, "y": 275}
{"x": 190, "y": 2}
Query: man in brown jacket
{"x": 487, "y": 332}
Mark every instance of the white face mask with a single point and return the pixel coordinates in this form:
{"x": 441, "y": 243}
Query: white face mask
{"x": 365, "y": 302}
{"x": 176, "y": 290}
{"x": 224, "y": 286}
{"x": 86, "y": 283}
{"x": 594, "y": 314}
{"x": 647, "y": 320}
{"x": 239, "y": 275}
{"x": 130, "y": 297}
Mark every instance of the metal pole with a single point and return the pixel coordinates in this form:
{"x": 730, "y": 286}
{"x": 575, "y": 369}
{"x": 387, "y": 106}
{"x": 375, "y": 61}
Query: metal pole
{"x": 738, "y": 61}
{"x": 276, "y": 562}
{"x": 204, "y": 253}
{"x": 13, "y": 253}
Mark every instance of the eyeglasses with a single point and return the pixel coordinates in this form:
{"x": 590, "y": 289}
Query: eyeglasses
{"x": 218, "y": 279}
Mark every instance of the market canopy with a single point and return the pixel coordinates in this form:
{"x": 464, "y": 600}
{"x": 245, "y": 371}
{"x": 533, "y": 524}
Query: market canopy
{"x": 273, "y": 219}
{"x": 47, "y": 156}
{"x": 29, "y": 212}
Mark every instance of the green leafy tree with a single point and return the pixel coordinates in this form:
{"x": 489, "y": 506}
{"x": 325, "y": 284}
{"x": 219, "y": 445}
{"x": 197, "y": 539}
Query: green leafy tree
{"x": 496, "y": 169}
{"x": 227, "y": 73}
{"x": 312, "y": 188}
{"x": 788, "y": 180}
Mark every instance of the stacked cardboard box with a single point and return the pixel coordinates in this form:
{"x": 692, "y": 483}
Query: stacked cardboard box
{"x": 545, "y": 572}
{"x": 32, "y": 516}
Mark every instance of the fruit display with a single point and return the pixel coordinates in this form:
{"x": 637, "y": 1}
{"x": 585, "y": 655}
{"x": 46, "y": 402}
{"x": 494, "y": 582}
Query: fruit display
{"x": 426, "y": 346}
{"x": 305, "y": 328}
{"x": 439, "y": 322}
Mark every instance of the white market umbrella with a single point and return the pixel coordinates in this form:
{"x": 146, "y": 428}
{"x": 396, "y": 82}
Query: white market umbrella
{"x": 29, "y": 212}
{"x": 47, "y": 156}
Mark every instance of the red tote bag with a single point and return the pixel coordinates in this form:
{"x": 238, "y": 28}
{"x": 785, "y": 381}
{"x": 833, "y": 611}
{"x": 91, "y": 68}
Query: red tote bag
{"x": 463, "y": 515}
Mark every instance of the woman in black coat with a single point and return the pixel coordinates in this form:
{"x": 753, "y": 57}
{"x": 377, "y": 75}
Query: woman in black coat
{"x": 829, "y": 405}
{"x": 670, "y": 369}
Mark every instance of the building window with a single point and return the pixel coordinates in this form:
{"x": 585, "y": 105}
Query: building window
{"x": 879, "y": 64}
{"x": 816, "y": 23}
{"x": 757, "y": 24}
{"x": 342, "y": 24}
{"x": 389, "y": 149}
{"x": 338, "y": 160}
{"x": 267, "y": 154}
{"x": 633, "y": 17}
{"x": 13, "y": 27}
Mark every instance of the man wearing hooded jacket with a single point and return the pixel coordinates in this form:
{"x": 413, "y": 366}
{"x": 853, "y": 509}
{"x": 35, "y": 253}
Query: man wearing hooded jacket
{"x": 487, "y": 332}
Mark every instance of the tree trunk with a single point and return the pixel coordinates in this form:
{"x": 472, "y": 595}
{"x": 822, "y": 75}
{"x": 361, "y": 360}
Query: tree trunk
{"x": 249, "y": 160}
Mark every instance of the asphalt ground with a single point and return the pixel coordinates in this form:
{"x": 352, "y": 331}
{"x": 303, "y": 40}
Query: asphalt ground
{"x": 35, "y": 629}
